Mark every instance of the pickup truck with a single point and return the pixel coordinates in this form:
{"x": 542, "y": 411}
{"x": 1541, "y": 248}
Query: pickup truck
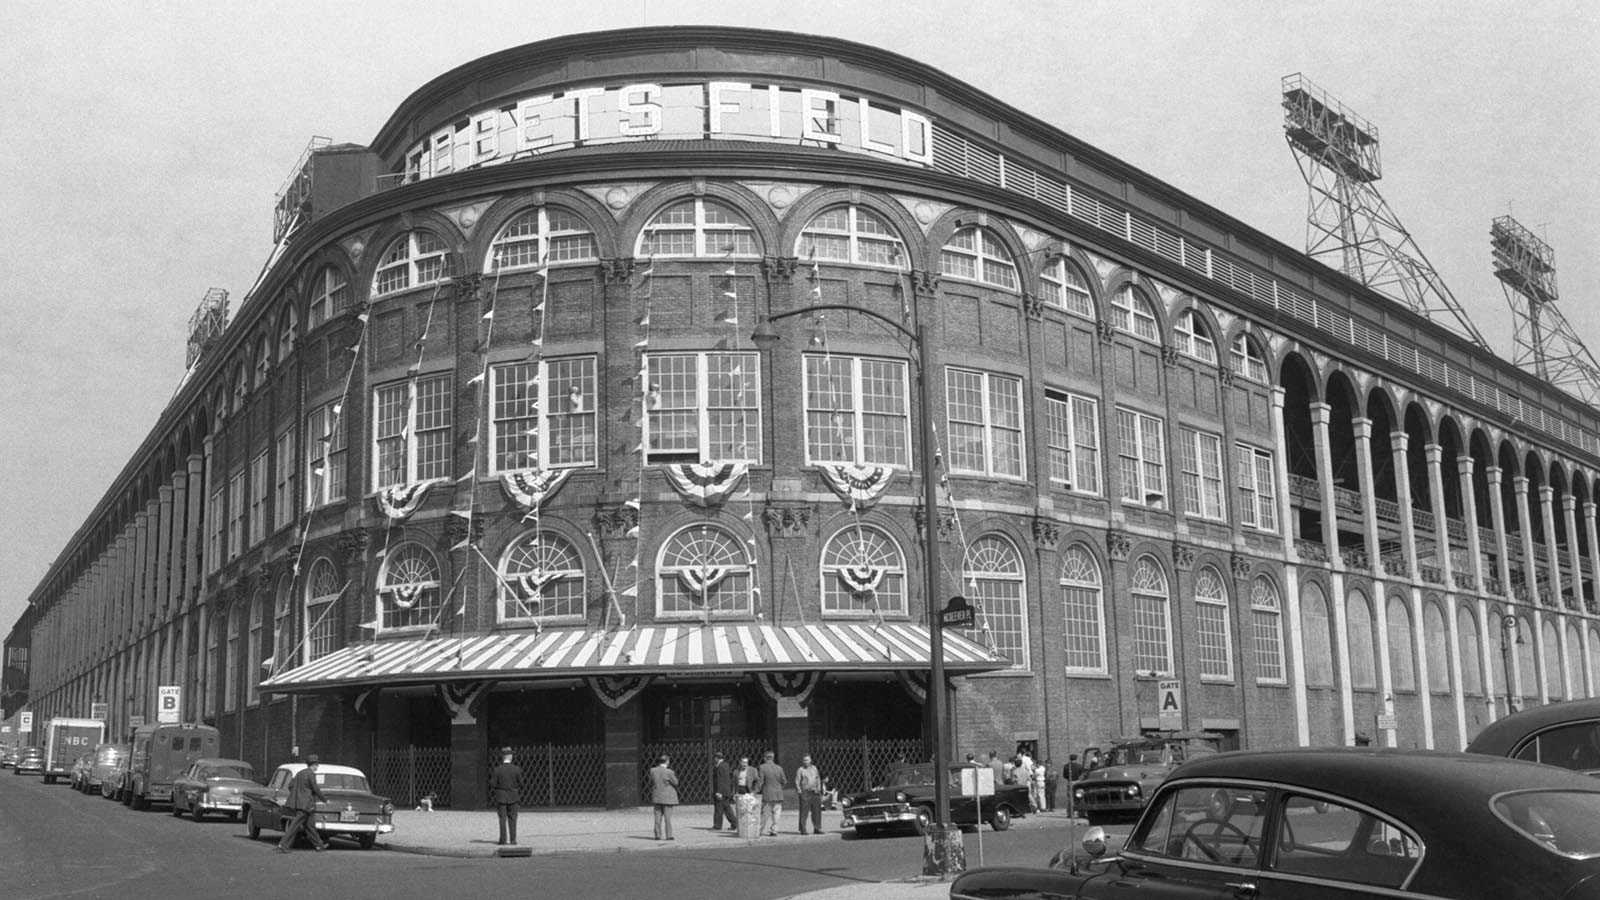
{"x": 907, "y": 801}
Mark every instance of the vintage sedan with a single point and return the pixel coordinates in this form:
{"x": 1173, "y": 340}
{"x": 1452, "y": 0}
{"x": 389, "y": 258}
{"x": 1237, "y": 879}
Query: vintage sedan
{"x": 351, "y": 810}
{"x": 29, "y": 759}
{"x": 1339, "y": 823}
{"x": 114, "y": 782}
{"x": 1559, "y": 734}
{"x": 107, "y": 757}
{"x": 907, "y": 801}
{"x": 1132, "y": 769}
{"x": 212, "y": 785}
{"x": 8, "y": 756}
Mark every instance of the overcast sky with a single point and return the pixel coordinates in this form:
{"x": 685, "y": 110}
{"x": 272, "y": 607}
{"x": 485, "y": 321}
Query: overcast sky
{"x": 145, "y": 143}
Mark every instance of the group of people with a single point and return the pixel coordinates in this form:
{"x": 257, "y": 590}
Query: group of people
{"x": 729, "y": 782}
{"x": 1039, "y": 777}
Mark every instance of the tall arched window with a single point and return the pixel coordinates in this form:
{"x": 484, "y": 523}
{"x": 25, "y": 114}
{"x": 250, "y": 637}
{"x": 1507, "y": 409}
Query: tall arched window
{"x": 541, "y": 577}
{"x": 1215, "y": 638}
{"x": 322, "y": 620}
{"x": 1248, "y": 360}
{"x": 994, "y": 578}
{"x": 1552, "y": 660}
{"x": 1574, "y": 662}
{"x": 1402, "y": 658}
{"x": 1190, "y": 336}
{"x": 330, "y": 296}
{"x": 256, "y": 647}
{"x": 850, "y": 234}
{"x": 698, "y": 227}
{"x": 974, "y": 254}
{"x": 1437, "y": 637}
{"x": 703, "y": 570}
{"x": 212, "y": 663}
{"x": 263, "y": 361}
{"x": 1266, "y": 619}
{"x": 413, "y": 259}
{"x": 1594, "y": 656}
{"x": 408, "y": 588}
{"x": 1363, "y": 642}
{"x": 288, "y": 329}
{"x": 283, "y": 642}
{"x": 1083, "y": 607}
{"x": 1471, "y": 656}
{"x": 863, "y": 572}
{"x": 1063, "y": 286}
{"x": 1152, "y": 617}
{"x": 233, "y": 629}
{"x": 1318, "y": 627}
{"x": 1131, "y": 312}
{"x": 548, "y": 235}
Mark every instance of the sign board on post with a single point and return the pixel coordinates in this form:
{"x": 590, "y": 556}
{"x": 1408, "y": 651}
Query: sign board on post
{"x": 99, "y": 710}
{"x": 168, "y": 701}
{"x": 957, "y": 614}
{"x": 25, "y": 721}
{"x": 1169, "y": 705}
{"x": 977, "y": 781}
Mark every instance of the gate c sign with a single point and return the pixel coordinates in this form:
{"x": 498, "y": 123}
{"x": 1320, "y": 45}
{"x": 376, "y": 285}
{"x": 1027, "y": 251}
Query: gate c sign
{"x": 169, "y": 698}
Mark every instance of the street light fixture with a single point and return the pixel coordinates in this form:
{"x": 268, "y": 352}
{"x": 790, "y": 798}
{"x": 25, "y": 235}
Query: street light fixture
{"x": 766, "y": 338}
{"x": 1509, "y": 626}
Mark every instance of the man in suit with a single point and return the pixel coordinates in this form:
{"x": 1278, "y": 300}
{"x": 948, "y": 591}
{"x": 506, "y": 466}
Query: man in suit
{"x": 722, "y": 794}
{"x": 505, "y": 792}
{"x": 664, "y": 794}
{"x": 769, "y": 783}
{"x": 302, "y": 801}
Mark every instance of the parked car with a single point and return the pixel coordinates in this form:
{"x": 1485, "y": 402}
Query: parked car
{"x": 351, "y": 810}
{"x": 1559, "y": 734}
{"x": 114, "y": 785}
{"x": 8, "y": 756}
{"x": 907, "y": 801}
{"x": 213, "y": 785}
{"x": 29, "y": 759}
{"x": 1339, "y": 823}
{"x": 1130, "y": 771}
{"x": 107, "y": 759}
{"x": 160, "y": 752}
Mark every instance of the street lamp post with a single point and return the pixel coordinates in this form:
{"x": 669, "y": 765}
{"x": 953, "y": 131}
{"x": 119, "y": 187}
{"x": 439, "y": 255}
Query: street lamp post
{"x": 949, "y": 856}
{"x": 1509, "y": 627}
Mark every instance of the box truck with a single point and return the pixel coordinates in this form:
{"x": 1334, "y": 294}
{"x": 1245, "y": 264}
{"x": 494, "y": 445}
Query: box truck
{"x": 67, "y": 739}
{"x": 160, "y": 753}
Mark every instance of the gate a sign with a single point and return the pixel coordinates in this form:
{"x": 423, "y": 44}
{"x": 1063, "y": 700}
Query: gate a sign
{"x": 169, "y": 698}
{"x": 1169, "y": 704}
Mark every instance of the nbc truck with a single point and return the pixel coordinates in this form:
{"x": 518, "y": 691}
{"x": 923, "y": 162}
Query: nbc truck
{"x": 65, "y": 740}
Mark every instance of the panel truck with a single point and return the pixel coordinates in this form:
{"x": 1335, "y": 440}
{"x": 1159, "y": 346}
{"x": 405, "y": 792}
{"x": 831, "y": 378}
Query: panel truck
{"x": 67, "y": 739}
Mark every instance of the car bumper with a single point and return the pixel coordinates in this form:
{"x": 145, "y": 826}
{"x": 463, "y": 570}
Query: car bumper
{"x": 327, "y": 827}
{"x": 220, "y": 806}
{"x": 880, "y": 816}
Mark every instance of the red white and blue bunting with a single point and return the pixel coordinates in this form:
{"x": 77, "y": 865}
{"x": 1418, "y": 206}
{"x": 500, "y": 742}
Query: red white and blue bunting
{"x": 858, "y": 485}
{"x": 401, "y": 500}
{"x": 862, "y": 578}
{"x": 794, "y": 686}
{"x": 615, "y": 690}
{"x": 700, "y": 580}
{"x": 531, "y": 487}
{"x": 706, "y": 484}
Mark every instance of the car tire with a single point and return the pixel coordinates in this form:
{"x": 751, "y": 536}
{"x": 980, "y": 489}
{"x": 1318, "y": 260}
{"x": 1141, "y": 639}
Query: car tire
{"x": 367, "y": 841}
{"x": 177, "y": 811}
{"x": 49, "y": 779}
{"x": 1001, "y": 819}
{"x": 140, "y": 802}
{"x": 196, "y": 813}
{"x": 924, "y": 820}
{"x": 250, "y": 827}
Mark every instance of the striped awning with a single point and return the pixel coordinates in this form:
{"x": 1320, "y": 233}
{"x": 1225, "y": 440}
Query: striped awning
{"x": 642, "y": 650}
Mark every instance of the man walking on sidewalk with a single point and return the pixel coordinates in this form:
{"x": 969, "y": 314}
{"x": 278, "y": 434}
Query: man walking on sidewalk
{"x": 769, "y": 782}
{"x": 808, "y": 782}
{"x": 722, "y": 795}
{"x": 302, "y": 801}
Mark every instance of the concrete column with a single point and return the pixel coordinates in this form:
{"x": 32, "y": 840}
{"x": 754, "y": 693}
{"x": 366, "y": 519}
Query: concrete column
{"x": 1530, "y": 562}
{"x": 163, "y": 554}
{"x": 180, "y": 535}
{"x": 1469, "y": 505}
{"x": 1369, "y": 494}
{"x": 1591, "y": 678}
{"x": 194, "y": 531}
{"x": 1402, "y": 490}
{"x": 137, "y": 571}
{"x": 1280, "y": 472}
{"x": 1497, "y": 514}
{"x": 1320, "y": 414}
{"x": 1552, "y": 550}
{"x": 1441, "y": 524}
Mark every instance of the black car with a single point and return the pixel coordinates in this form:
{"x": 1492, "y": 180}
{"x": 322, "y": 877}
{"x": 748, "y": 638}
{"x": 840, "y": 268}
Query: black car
{"x": 1558, "y": 734}
{"x": 907, "y": 801}
{"x": 1339, "y": 823}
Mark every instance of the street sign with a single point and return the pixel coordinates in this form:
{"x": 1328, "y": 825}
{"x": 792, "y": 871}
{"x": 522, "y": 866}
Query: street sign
{"x": 25, "y": 721}
{"x": 977, "y": 781}
{"x": 1169, "y": 704}
{"x": 169, "y": 699}
{"x": 99, "y": 710}
{"x": 957, "y": 614}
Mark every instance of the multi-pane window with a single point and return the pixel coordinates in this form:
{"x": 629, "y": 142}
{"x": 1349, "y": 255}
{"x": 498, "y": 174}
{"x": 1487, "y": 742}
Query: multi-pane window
{"x": 541, "y": 577}
{"x": 1266, "y": 626}
{"x": 547, "y": 235}
{"x": 1082, "y": 601}
{"x": 699, "y": 227}
{"x": 849, "y": 234}
{"x": 974, "y": 254}
{"x": 985, "y": 413}
{"x": 1200, "y": 455}
{"x": 413, "y": 259}
{"x": 283, "y": 643}
{"x": 863, "y": 572}
{"x": 260, "y": 488}
{"x": 1072, "y": 430}
{"x": 215, "y": 530}
{"x": 241, "y": 386}
{"x": 701, "y": 407}
{"x": 283, "y": 505}
{"x": 288, "y": 325}
{"x": 236, "y": 515}
{"x": 1248, "y": 360}
{"x": 255, "y": 648}
{"x": 1141, "y": 455}
{"x": 230, "y": 665}
{"x": 994, "y": 580}
{"x": 408, "y": 588}
{"x": 322, "y": 620}
{"x": 330, "y": 296}
{"x": 1214, "y": 638}
{"x": 213, "y": 684}
{"x": 1130, "y": 312}
{"x": 856, "y": 411}
{"x": 263, "y": 362}
{"x": 703, "y": 571}
{"x": 1189, "y": 335}
{"x": 1152, "y": 619}
{"x": 543, "y": 414}
{"x": 1062, "y": 285}
{"x": 325, "y": 456}
{"x": 411, "y": 431}
{"x": 1258, "y": 501}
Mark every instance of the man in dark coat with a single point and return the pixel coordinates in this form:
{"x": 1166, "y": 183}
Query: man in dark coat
{"x": 302, "y": 801}
{"x": 722, "y": 795}
{"x": 505, "y": 792}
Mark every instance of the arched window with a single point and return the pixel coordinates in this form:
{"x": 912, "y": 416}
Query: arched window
{"x": 1437, "y": 639}
{"x": 413, "y": 259}
{"x": 263, "y": 361}
{"x": 1266, "y": 619}
{"x": 703, "y": 571}
{"x": 1594, "y": 656}
{"x": 1131, "y": 312}
{"x": 241, "y": 386}
{"x": 1318, "y": 627}
{"x": 1471, "y": 657}
{"x": 994, "y": 580}
{"x": 1215, "y": 638}
{"x": 1083, "y": 606}
{"x": 330, "y": 296}
{"x": 408, "y": 588}
{"x": 322, "y": 620}
{"x": 863, "y": 572}
{"x": 233, "y": 629}
{"x": 1574, "y": 662}
{"x": 1363, "y": 642}
{"x": 1189, "y": 335}
{"x": 1402, "y": 659}
{"x": 1062, "y": 285}
{"x": 288, "y": 328}
{"x": 256, "y": 647}
{"x": 698, "y": 227}
{"x": 542, "y": 577}
{"x": 1552, "y": 660}
{"x": 974, "y": 254}
{"x": 850, "y": 234}
{"x": 1248, "y": 360}
{"x": 283, "y": 642}
{"x": 1152, "y": 618}
{"x": 548, "y": 235}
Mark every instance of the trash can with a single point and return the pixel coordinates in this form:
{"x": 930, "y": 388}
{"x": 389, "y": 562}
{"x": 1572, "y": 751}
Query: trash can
{"x": 749, "y": 808}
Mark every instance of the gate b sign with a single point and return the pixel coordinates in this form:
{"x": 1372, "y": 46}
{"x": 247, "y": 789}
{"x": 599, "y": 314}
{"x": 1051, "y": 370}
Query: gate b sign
{"x": 169, "y": 700}
{"x": 1169, "y": 704}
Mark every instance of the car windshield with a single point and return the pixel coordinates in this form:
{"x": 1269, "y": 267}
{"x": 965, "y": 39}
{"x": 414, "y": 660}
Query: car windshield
{"x": 244, "y": 772}
{"x": 342, "y": 782}
{"x": 1136, "y": 756}
{"x": 1564, "y": 822}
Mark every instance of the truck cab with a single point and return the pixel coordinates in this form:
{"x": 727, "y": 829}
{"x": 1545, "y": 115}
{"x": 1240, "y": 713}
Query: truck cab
{"x": 161, "y": 752}
{"x": 67, "y": 739}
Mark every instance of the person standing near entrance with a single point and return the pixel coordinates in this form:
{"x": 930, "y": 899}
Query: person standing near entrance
{"x": 664, "y": 794}
{"x": 722, "y": 795}
{"x": 808, "y": 782}
{"x": 505, "y": 792}
{"x": 769, "y": 783}
{"x": 302, "y": 801}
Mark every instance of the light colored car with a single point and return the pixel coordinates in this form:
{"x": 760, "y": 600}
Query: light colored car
{"x": 351, "y": 810}
{"x": 107, "y": 757}
{"x": 213, "y": 785}
{"x": 29, "y": 759}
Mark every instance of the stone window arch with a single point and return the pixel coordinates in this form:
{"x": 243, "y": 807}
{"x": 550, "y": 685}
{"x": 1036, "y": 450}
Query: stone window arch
{"x": 698, "y": 227}
{"x": 542, "y": 577}
{"x": 414, "y": 259}
{"x": 1084, "y": 614}
{"x": 1266, "y": 621}
{"x": 703, "y": 570}
{"x": 976, "y": 254}
{"x": 408, "y": 588}
{"x": 1213, "y": 631}
{"x": 995, "y": 581}
{"x": 547, "y": 235}
{"x": 863, "y": 573}
{"x": 850, "y": 233}
{"x": 1152, "y": 617}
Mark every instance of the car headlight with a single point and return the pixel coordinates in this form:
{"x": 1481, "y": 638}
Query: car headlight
{"x": 1133, "y": 790}
{"x": 901, "y": 797}
{"x": 1078, "y": 794}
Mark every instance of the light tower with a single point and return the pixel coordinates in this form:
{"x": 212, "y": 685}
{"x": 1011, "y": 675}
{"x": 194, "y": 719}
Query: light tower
{"x": 1349, "y": 226}
{"x": 1545, "y": 344}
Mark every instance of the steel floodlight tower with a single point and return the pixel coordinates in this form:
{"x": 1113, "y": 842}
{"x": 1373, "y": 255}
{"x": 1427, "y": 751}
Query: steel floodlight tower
{"x": 1349, "y": 226}
{"x": 1545, "y": 344}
